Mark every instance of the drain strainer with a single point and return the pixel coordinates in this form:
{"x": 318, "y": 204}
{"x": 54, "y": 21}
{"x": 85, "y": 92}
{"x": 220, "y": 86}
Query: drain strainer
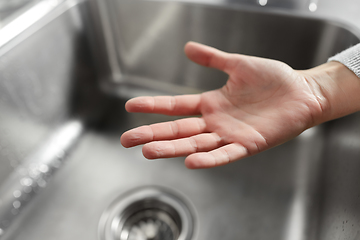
{"x": 150, "y": 213}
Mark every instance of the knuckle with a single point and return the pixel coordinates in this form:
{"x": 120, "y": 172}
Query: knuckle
{"x": 194, "y": 144}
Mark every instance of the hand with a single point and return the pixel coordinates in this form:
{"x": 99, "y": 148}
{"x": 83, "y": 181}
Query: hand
{"x": 264, "y": 103}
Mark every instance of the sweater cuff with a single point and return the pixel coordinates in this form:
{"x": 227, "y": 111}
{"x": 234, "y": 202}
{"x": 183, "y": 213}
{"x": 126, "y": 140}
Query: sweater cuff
{"x": 350, "y": 58}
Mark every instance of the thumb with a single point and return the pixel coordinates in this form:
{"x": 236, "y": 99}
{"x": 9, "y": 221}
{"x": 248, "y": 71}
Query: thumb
{"x": 208, "y": 56}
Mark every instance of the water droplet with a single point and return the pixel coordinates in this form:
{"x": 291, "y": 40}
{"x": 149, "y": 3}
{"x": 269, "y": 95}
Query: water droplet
{"x": 41, "y": 183}
{"x": 60, "y": 155}
{"x": 33, "y": 171}
{"x": 17, "y": 193}
{"x": 26, "y": 181}
{"x": 34, "y": 174}
{"x": 313, "y": 7}
{"x": 263, "y": 2}
{"x": 16, "y": 204}
{"x": 44, "y": 168}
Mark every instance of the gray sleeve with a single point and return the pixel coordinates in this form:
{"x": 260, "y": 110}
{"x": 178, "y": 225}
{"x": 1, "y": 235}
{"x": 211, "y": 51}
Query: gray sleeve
{"x": 350, "y": 58}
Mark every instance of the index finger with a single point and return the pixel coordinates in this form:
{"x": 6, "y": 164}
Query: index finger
{"x": 181, "y": 105}
{"x": 210, "y": 57}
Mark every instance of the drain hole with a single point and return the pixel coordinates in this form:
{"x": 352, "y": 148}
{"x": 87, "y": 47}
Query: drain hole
{"x": 147, "y": 214}
{"x": 161, "y": 222}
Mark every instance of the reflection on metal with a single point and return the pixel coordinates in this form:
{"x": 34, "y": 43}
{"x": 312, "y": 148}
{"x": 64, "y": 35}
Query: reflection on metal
{"x": 109, "y": 64}
{"x": 137, "y": 86}
{"x": 302, "y": 217}
{"x": 256, "y": 193}
{"x": 25, "y": 20}
{"x": 313, "y": 5}
{"x": 157, "y": 28}
{"x": 150, "y": 42}
{"x": 29, "y": 18}
{"x": 263, "y": 2}
{"x": 10, "y": 8}
{"x": 349, "y": 141}
{"x": 35, "y": 172}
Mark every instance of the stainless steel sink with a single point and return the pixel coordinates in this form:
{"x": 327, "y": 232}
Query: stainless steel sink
{"x": 75, "y": 65}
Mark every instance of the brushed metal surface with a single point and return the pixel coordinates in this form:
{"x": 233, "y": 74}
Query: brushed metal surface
{"x": 150, "y": 36}
{"x": 305, "y": 189}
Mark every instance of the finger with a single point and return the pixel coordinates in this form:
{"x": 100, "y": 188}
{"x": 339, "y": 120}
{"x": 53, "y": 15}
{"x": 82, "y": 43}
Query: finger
{"x": 217, "y": 157}
{"x": 168, "y": 105}
{"x": 182, "y": 147}
{"x": 163, "y": 131}
{"x": 208, "y": 56}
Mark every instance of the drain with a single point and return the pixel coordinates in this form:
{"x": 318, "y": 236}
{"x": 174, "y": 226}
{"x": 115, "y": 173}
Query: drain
{"x": 150, "y": 213}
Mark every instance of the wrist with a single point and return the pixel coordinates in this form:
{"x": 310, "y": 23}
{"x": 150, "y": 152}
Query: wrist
{"x": 337, "y": 89}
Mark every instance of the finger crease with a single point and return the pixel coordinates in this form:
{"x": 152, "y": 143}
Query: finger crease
{"x": 217, "y": 138}
{"x": 226, "y": 153}
{"x": 152, "y": 133}
{"x": 172, "y": 103}
{"x": 194, "y": 144}
{"x": 175, "y": 128}
{"x": 200, "y": 128}
{"x": 174, "y": 150}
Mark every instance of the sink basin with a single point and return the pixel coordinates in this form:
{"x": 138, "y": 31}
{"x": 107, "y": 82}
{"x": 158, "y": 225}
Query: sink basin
{"x": 68, "y": 65}
{"x": 142, "y": 46}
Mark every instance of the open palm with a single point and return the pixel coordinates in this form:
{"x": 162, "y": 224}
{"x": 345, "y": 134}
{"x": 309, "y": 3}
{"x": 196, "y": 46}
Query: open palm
{"x": 264, "y": 103}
